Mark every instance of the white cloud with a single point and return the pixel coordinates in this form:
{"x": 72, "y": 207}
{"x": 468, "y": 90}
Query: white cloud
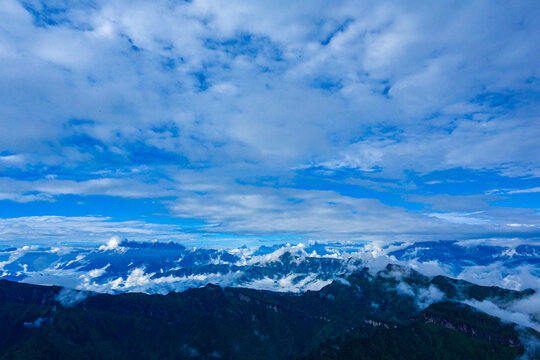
{"x": 289, "y": 283}
{"x": 496, "y": 274}
{"x": 428, "y": 296}
{"x": 460, "y": 218}
{"x": 25, "y": 191}
{"x": 423, "y": 297}
{"x": 85, "y": 229}
{"x": 524, "y": 191}
{"x": 506, "y": 315}
{"x": 318, "y": 213}
{"x": 405, "y": 289}
{"x": 529, "y": 305}
{"x": 138, "y": 280}
{"x": 112, "y": 244}
{"x": 69, "y": 297}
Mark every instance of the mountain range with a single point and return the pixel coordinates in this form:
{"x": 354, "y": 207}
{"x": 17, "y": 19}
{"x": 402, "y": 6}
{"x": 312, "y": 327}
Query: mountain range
{"x": 155, "y": 300}
{"x": 395, "y": 313}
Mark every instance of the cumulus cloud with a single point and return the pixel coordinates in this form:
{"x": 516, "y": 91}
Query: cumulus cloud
{"x": 112, "y": 244}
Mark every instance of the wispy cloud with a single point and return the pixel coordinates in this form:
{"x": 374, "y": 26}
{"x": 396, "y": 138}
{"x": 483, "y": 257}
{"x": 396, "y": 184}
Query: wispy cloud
{"x": 516, "y": 191}
{"x": 84, "y": 229}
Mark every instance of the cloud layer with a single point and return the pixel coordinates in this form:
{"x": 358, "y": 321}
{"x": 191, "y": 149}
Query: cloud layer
{"x": 334, "y": 120}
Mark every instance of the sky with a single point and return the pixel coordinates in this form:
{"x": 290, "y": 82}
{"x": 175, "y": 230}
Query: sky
{"x": 211, "y": 122}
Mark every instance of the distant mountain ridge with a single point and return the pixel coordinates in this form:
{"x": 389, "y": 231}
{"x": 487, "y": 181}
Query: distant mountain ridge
{"x": 158, "y": 267}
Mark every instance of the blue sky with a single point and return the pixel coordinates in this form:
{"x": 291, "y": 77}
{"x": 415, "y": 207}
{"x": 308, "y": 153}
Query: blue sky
{"x": 248, "y": 121}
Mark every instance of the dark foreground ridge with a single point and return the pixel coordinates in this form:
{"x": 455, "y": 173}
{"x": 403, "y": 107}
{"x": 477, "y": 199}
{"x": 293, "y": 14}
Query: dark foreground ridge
{"x": 362, "y": 317}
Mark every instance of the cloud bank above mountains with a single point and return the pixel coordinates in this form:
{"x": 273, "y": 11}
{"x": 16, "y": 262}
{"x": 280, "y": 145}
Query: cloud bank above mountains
{"x": 183, "y": 120}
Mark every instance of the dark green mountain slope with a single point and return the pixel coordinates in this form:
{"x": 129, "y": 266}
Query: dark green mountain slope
{"x": 442, "y": 331}
{"x": 363, "y": 317}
